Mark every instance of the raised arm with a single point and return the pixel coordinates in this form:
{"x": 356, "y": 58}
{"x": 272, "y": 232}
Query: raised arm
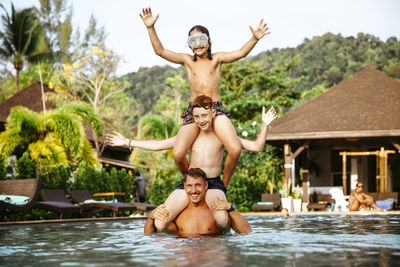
{"x": 258, "y": 33}
{"x": 238, "y": 222}
{"x": 149, "y": 22}
{"x": 259, "y": 143}
{"x": 117, "y": 139}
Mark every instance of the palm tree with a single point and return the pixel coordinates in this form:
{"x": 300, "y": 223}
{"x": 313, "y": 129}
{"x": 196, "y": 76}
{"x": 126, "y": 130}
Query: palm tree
{"x": 57, "y": 136}
{"x": 22, "y": 38}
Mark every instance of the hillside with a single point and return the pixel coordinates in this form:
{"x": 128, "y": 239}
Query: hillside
{"x": 322, "y": 61}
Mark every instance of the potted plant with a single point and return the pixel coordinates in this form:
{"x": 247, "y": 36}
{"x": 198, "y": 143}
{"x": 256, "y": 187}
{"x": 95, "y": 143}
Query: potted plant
{"x": 297, "y": 199}
{"x": 286, "y": 198}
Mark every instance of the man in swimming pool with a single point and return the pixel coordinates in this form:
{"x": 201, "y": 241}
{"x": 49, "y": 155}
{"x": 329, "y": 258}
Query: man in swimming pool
{"x": 361, "y": 201}
{"x": 196, "y": 218}
{"x": 206, "y": 153}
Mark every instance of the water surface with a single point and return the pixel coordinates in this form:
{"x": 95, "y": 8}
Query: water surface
{"x": 302, "y": 240}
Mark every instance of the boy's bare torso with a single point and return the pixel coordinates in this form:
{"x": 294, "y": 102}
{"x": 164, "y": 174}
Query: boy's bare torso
{"x": 203, "y": 76}
{"x": 206, "y": 153}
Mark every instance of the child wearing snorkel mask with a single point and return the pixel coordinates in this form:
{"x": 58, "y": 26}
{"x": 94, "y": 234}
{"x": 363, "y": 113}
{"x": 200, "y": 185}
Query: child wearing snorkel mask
{"x": 203, "y": 70}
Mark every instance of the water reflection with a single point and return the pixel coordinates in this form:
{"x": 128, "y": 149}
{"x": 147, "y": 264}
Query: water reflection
{"x": 295, "y": 241}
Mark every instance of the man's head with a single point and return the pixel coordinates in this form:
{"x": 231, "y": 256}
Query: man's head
{"x": 195, "y": 183}
{"x": 203, "y": 112}
{"x": 359, "y": 187}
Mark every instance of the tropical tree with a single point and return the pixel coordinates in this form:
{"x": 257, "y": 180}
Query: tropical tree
{"x": 64, "y": 40}
{"x": 54, "y": 137}
{"x": 22, "y": 38}
{"x": 91, "y": 79}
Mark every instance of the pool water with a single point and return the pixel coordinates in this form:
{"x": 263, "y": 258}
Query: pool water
{"x": 301, "y": 240}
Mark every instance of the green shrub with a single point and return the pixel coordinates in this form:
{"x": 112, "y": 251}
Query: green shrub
{"x": 243, "y": 191}
{"x": 26, "y": 167}
{"x": 162, "y": 187}
{"x": 55, "y": 177}
{"x": 3, "y": 168}
{"x": 87, "y": 178}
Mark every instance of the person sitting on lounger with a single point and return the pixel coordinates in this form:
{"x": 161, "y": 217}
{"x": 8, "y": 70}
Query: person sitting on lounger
{"x": 361, "y": 201}
{"x": 206, "y": 153}
{"x": 196, "y": 218}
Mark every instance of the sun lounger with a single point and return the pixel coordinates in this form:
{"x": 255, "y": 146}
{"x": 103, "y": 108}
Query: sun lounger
{"x": 269, "y": 202}
{"x": 84, "y": 199}
{"x": 11, "y": 190}
{"x": 324, "y": 202}
{"x": 55, "y": 200}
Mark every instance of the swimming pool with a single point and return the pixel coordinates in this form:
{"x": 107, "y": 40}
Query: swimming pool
{"x": 301, "y": 240}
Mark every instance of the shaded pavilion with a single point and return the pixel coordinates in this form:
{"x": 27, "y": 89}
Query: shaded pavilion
{"x": 349, "y": 133}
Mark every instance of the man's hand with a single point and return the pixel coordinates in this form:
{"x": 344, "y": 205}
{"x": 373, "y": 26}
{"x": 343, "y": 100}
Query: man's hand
{"x": 148, "y": 18}
{"x": 160, "y": 213}
{"x": 220, "y": 204}
{"x": 116, "y": 139}
{"x": 261, "y": 30}
{"x": 268, "y": 117}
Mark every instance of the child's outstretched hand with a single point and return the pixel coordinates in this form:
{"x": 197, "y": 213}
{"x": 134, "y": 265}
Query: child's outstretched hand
{"x": 148, "y": 18}
{"x": 115, "y": 139}
{"x": 268, "y": 117}
{"x": 261, "y": 30}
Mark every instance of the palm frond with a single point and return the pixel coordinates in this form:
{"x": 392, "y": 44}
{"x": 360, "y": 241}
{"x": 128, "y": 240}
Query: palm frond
{"x": 9, "y": 140}
{"x": 88, "y": 115}
{"x": 23, "y": 121}
{"x": 50, "y": 150}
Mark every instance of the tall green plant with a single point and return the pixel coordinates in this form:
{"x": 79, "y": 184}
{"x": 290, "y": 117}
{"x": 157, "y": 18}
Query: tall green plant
{"x": 22, "y": 38}
{"x": 57, "y": 136}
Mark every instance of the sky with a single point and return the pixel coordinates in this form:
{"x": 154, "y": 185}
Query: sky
{"x": 290, "y": 22}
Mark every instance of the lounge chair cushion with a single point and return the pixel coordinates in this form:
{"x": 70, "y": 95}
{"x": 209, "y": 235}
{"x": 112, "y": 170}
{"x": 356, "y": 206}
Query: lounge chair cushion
{"x": 14, "y": 200}
{"x": 386, "y": 204}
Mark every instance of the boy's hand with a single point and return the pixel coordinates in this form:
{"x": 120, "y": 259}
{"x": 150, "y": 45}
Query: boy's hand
{"x": 160, "y": 213}
{"x": 220, "y": 204}
{"x": 268, "y": 117}
{"x": 261, "y": 30}
{"x": 116, "y": 139}
{"x": 148, "y": 18}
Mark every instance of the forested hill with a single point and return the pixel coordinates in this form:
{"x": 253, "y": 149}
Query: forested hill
{"x": 322, "y": 61}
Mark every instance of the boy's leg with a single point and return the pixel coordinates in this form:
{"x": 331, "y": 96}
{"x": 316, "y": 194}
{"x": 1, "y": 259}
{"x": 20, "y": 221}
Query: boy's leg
{"x": 184, "y": 140}
{"x": 227, "y": 135}
{"x": 175, "y": 203}
{"x": 221, "y": 217}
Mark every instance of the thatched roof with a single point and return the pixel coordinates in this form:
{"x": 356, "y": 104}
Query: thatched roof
{"x": 364, "y": 105}
{"x": 30, "y": 97}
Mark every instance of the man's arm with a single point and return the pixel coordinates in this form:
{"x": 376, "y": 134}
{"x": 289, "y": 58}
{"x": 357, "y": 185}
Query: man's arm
{"x": 149, "y": 22}
{"x": 238, "y": 222}
{"x": 259, "y": 143}
{"x": 258, "y": 33}
{"x": 117, "y": 139}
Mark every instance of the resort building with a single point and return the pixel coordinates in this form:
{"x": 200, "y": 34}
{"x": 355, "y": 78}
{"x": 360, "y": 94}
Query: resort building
{"x": 349, "y": 133}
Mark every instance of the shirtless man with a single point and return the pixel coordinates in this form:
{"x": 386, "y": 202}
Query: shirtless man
{"x": 361, "y": 201}
{"x": 196, "y": 218}
{"x": 206, "y": 153}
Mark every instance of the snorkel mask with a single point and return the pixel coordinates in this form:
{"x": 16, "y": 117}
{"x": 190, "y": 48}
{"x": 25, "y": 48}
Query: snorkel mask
{"x": 197, "y": 41}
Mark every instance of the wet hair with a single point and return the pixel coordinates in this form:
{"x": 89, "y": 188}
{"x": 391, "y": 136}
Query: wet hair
{"x": 204, "y": 30}
{"x": 195, "y": 172}
{"x": 202, "y": 101}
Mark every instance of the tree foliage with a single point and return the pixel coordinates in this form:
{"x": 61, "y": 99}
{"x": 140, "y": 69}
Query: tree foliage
{"x": 54, "y": 137}
{"x": 22, "y": 38}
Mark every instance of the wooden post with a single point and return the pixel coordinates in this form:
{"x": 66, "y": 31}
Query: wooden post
{"x": 344, "y": 173}
{"x": 288, "y": 162}
{"x": 306, "y": 184}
